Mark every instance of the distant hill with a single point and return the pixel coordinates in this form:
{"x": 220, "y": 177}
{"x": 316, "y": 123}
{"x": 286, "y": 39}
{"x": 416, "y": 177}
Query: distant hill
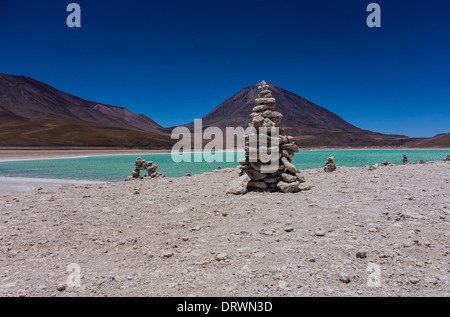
{"x": 310, "y": 124}
{"x": 33, "y": 113}
{"x": 440, "y": 140}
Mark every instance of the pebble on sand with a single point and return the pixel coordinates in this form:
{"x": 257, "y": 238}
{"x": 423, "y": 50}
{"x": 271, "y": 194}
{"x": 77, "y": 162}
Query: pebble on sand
{"x": 344, "y": 278}
{"x": 320, "y": 232}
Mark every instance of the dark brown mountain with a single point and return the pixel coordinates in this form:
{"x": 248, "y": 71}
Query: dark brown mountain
{"x": 438, "y": 141}
{"x": 309, "y": 123}
{"x": 33, "y": 113}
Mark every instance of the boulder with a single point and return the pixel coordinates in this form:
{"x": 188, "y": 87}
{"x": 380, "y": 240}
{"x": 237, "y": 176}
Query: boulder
{"x": 288, "y": 187}
{"x": 265, "y": 101}
{"x": 260, "y": 185}
{"x": 239, "y": 185}
{"x": 289, "y": 166}
{"x": 288, "y": 178}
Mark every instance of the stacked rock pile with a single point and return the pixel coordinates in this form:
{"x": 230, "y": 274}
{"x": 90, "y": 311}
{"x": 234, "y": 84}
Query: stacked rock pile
{"x": 405, "y": 159}
{"x": 329, "y": 165}
{"x": 385, "y": 163}
{"x": 142, "y": 165}
{"x": 447, "y": 158}
{"x": 253, "y": 174}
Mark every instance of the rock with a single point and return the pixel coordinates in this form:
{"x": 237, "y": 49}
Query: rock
{"x": 239, "y": 185}
{"x": 288, "y": 187}
{"x": 255, "y": 175}
{"x": 447, "y": 158}
{"x": 272, "y": 114}
{"x": 304, "y": 187}
{"x": 61, "y": 288}
{"x": 289, "y": 229}
{"x": 261, "y": 108}
{"x": 289, "y": 166}
{"x": 421, "y": 162}
{"x": 361, "y": 254}
{"x": 290, "y": 146}
{"x": 272, "y": 180}
{"x": 187, "y": 175}
{"x": 128, "y": 240}
{"x": 221, "y": 256}
{"x": 167, "y": 254}
{"x": 414, "y": 280}
{"x": 300, "y": 178}
{"x": 265, "y": 101}
{"x": 287, "y": 154}
{"x": 288, "y": 178}
{"x": 319, "y": 232}
{"x": 344, "y": 278}
{"x": 385, "y": 163}
{"x": 260, "y": 185}
{"x": 243, "y": 161}
{"x": 272, "y": 122}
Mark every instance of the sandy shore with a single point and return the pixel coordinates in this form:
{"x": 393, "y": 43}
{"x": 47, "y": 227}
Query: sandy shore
{"x": 22, "y": 184}
{"x": 9, "y": 154}
{"x": 186, "y": 237}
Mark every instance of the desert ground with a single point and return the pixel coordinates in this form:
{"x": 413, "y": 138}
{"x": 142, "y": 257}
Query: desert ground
{"x": 186, "y": 237}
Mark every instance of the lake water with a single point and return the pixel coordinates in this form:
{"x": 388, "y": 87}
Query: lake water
{"x": 116, "y": 168}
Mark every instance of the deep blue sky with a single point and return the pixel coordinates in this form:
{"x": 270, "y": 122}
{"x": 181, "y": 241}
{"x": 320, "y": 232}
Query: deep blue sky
{"x": 177, "y": 60}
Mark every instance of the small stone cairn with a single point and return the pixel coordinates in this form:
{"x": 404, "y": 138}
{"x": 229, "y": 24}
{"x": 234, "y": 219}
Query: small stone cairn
{"x": 286, "y": 178}
{"x": 329, "y": 165}
{"x": 142, "y": 165}
{"x": 405, "y": 159}
{"x": 447, "y": 158}
{"x": 385, "y": 163}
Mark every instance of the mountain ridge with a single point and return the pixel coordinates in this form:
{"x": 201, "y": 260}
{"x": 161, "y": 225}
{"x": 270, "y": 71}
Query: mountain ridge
{"x": 33, "y": 113}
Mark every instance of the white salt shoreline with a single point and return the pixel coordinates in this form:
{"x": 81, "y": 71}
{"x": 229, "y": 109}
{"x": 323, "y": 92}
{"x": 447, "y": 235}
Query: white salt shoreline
{"x": 93, "y": 155}
{"x": 23, "y": 184}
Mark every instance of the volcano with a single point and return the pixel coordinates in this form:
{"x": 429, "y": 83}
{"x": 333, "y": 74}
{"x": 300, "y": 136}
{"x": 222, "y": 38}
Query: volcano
{"x": 310, "y": 124}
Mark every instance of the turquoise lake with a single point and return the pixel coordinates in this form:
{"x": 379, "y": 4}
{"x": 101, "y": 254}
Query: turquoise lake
{"x": 116, "y": 168}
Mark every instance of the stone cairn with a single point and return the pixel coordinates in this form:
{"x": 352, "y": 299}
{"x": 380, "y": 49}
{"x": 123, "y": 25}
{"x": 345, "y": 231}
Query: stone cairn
{"x": 286, "y": 178}
{"x": 142, "y": 165}
{"x": 405, "y": 159}
{"x": 329, "y": 165}
{"x": 447, "y": 158}
{"x": 385, "y": 163}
